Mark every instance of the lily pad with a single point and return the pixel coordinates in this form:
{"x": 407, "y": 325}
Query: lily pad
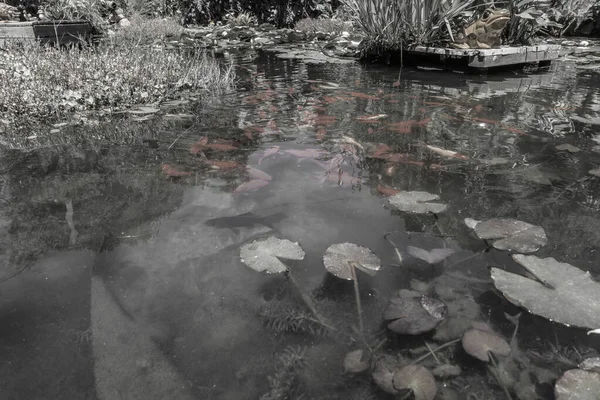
{"x": 595, "y": 172}
{"x": 510, "y": 234}
{"x": 590, "y": 364}
{"x": 430, "y": 257}
{"x": 384, "y": 378}
{"x": 563, "y": 293}
{"x": 144, "y": 110}
{"x": 417, "y": 202}
{"x": 263, "y": 254}
{"x": 354, "y": 363}
{"x": 339, "y": 259}
{"x": 568, "y": 147}
{"x": 576, "y": 384}
{"x": 417, "y": 379}
{"x": 479, "y": 344}
{"x": 411, "y": 313}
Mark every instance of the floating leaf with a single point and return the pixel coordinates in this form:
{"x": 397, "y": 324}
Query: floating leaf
{"x": 263, "y": 254}
{"x": 590, "y": 364}
{"x": 417, "y": 379}
{"x": 568, "y": 147}
{"x": 144, "y": 110}
{"x": 416, "y": 202}
{"x": 251, "y": 185}
{"x": 595, "y": 172}
{"x": 576, "y": 384}
{"x": 354, "y": 363}
{"x": 384, "y": 378}
{"x": 511, "y": 234}
{"x": 411, "y": 313}
{"x": 478, "y": 343}
{"x": 339, "y": 259}
{"x": 563, "y": 293}
{"x": 431, "y": 257}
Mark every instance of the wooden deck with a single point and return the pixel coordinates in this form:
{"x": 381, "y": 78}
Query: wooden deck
{"x": 63, "y": 32}
{"x": 476, "y": 59}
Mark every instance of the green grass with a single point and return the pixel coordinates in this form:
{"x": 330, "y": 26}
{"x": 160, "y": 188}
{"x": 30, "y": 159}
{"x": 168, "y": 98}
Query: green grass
{"x": 45, "y": 84}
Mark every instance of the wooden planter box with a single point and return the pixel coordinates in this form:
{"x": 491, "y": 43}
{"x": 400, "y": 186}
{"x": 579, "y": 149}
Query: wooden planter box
{"x": 478, "y": 60}
{"x": 63, "y": 32}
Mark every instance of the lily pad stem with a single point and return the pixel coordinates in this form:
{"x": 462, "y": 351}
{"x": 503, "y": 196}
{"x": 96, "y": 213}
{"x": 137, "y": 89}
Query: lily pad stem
{"x": 432, "y": 351}
{"x": 357, "y": 297}
{"x": 492, "y": 358}
{"x": 308, "y": 302}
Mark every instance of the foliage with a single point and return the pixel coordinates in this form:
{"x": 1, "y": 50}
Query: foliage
{"x": 526, "y": 21}
{"x": 279, "y": 12}
{"x": 329, "y": 25}
{"x": 46, "y": 83}
{"x": 570, "y": 13}
{"x": 392, "y": 24}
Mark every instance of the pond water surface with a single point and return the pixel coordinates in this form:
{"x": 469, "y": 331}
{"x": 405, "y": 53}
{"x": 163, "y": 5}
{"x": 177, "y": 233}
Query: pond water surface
{"x": 122, "y": 275}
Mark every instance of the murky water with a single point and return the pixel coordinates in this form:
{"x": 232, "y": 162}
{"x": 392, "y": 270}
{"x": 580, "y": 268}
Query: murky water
{"x": 125, "y": 275}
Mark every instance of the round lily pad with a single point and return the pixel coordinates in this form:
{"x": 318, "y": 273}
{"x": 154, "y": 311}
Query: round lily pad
{"x": 263, "y": 254}
{"x": 478, "y": 344}
{"x": 411, "y": 314}
{"x": 577, "y": 384}
{"x": 354, "y": 363}
{"x": 340, "y": 258}
{"x": 416, "y": 202}
{"x": 417, "y": 379}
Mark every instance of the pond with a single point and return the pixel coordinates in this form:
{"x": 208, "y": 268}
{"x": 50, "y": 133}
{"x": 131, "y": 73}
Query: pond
{"x": 122, "y": 272}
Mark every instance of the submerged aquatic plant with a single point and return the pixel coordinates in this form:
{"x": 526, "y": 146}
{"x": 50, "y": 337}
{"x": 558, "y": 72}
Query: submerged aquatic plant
{"x": 284, "y": 382}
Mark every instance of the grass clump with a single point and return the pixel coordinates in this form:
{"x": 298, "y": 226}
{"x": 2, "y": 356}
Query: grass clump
{"x": 311, "y": 26}
{"x": 43, "y": 84}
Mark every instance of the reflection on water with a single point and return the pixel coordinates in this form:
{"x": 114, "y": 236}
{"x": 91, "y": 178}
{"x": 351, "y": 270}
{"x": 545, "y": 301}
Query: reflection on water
{"x": 121, "y": 271}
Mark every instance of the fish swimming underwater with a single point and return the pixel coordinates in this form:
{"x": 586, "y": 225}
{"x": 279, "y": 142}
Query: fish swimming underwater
{"x": 245, "y": 220}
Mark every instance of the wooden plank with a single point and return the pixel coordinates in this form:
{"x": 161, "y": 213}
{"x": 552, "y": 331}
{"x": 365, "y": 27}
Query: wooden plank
{"x": 16, "y": 30}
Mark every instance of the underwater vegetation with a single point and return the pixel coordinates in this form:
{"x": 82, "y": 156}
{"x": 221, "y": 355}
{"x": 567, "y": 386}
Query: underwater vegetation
{"x": 557, "y": 291}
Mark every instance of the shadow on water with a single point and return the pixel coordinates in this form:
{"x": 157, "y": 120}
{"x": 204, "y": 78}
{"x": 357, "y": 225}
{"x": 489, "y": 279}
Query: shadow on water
{"x": 121, "y": 270}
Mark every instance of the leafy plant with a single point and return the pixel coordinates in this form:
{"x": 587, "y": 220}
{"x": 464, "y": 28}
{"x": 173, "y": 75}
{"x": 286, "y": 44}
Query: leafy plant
{"x": 526, "y": 21}
{"x": 394, "y": 24}
{"x": 240, "y": 19}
